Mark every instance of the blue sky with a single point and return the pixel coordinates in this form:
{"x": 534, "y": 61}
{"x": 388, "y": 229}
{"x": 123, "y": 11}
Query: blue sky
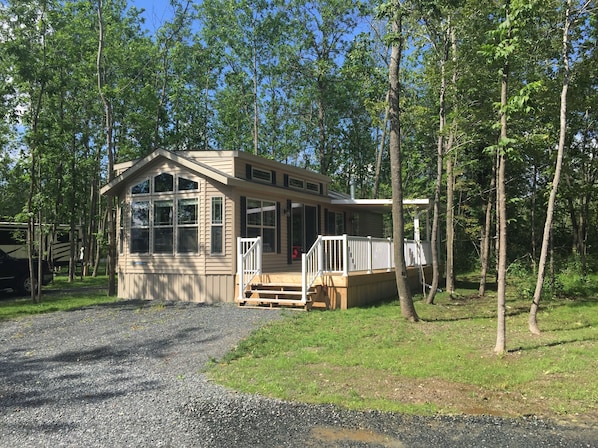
{"x": 156, "y": 12}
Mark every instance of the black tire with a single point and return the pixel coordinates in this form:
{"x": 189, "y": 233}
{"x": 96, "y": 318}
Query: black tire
{"x": 26, "y": 284}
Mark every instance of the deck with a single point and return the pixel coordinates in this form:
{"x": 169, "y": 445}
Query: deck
{"x": 338, "y": 272}
{"x": 329, "y": 291}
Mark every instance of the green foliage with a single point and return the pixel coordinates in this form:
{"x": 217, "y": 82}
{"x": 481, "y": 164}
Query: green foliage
{"x": 310, "y": 79}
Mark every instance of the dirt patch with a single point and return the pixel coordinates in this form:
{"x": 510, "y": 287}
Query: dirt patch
{"x": 445, "y": 397}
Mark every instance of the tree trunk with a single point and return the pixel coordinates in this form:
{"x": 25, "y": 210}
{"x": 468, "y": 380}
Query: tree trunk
{"x": 501, "y": 329}
{"x": 438, "y": 185}
{"x": 322, "y": 146}
{"x": 380, "y": 154}
{"x": 485, "y": 244}
{"x": 533, "y": 321}
{"x": 111, "y": 158}
{"x": 450, "y": 225}
{"x": 405, "y": 298}
{"x": 256, "y": 110}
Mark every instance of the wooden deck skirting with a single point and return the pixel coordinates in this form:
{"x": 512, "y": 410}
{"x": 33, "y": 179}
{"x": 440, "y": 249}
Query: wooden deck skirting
{"x": 331, "y": 291}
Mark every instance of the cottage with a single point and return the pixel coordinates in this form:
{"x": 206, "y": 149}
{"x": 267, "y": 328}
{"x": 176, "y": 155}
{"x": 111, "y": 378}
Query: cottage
{"x": 217, "y": 226}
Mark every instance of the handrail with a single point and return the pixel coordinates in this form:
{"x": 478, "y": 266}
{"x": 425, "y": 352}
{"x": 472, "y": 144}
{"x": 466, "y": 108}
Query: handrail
{"x": 343, "y": 254}
{"x": 331, "y": 254}
{"x": 312, "y": 263}
{"x": 249, "y": 262}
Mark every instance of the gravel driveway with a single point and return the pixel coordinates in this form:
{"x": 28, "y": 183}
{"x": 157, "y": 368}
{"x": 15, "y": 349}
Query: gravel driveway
{"x": 128, "y": 374}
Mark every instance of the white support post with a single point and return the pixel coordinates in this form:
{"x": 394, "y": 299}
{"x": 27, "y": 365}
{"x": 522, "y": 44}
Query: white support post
{"x": 370, "y": 254}
{"x": 240, "y": 267}
{"x": 390, "y": 255}
{"x": 303, "y": 278}
{"x": 345, "y": 255}
{"x": 259, "y": 254}
{"x": 320, "y": 267}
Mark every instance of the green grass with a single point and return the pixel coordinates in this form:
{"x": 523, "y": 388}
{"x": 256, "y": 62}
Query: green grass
{"x": 58, "y": 296}
{"x": 371, "y": 358}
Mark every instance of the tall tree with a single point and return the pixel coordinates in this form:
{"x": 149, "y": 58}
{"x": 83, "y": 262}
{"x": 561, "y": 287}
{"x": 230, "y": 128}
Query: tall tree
{"x": 395, "y": 11}
{"x": 533, "y": 321}
{"x": 508, "y": 36}
{"x": 110, "y": 151}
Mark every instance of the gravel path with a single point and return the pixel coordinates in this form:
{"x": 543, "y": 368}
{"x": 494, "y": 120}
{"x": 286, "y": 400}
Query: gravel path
{"x": 129, "y": 375}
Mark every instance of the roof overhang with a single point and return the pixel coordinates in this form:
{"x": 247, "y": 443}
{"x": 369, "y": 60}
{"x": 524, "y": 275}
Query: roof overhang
{"x": 380, "y": 205}
{"x": 115, "y": 185}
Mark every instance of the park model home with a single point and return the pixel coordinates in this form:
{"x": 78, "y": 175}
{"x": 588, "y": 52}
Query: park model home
{"x": 218, "y": 226}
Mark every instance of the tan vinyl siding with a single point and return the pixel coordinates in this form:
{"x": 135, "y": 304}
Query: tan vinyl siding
{"x": 219, "y": 264}
{"x": 183, "y": 287}
{"x": 219, "y": 160}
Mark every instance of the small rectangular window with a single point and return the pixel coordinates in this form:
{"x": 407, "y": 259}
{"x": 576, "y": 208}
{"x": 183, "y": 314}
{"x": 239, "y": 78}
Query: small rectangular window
{"x": 163, "y": 227}
{"x": 187, "y": 184}
{"x": 121, "y": 227}
{"x": 140, "y": 227}
{"x": 187, "y": 229}
{"x": 296, "y": 183}
{"x": 261, "y": 175}
{"x": 311, "y": 186}
{"x": 217, "y": 226}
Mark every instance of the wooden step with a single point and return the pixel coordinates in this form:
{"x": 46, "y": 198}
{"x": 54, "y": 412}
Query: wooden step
{"x": 272, "y": 295}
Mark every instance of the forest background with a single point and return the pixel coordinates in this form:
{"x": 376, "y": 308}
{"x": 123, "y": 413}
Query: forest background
{"x": 87, "y": 84}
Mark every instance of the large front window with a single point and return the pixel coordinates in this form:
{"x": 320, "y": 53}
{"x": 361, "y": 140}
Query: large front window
{"x": 261, "y": 221}
{"x": 168, "y": 220}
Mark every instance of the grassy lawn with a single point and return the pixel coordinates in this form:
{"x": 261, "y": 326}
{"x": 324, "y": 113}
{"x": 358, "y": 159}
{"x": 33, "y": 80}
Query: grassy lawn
{"x": 370, "y": 358}
{"x": 58, "y": 296}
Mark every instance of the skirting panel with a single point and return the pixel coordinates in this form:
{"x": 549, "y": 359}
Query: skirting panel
{"x": 180, "y": 287}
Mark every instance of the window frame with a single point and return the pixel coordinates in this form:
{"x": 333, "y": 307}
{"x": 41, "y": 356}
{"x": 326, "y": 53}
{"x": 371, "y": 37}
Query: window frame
{"x": 264, "y": 175}
{"x": 152, "y": 199}
{"x": 215, "y": 224}
{"x": 252, "y": 227}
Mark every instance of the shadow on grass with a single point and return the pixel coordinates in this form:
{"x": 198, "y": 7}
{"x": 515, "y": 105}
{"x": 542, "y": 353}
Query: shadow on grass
{"x": 552, "y": 344}
{"x": 471, "y": 284}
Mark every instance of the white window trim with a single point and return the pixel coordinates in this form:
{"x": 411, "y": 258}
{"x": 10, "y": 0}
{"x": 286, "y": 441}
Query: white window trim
{"x": 221, "y": 225}
{"x": 153, "y": 197}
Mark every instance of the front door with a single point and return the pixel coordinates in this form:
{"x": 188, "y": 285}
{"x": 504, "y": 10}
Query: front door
{"x": 304, "y": 229}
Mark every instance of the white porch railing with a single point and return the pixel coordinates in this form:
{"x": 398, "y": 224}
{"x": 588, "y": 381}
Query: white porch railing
{"x": 249, "y": 261}
{"x": 333, "y": 254}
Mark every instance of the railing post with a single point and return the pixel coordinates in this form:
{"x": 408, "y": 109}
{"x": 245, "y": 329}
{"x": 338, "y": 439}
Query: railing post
{"x": 390, "y": 255}
{"x": 259, "y": 254}
{"x": 370, "y": 255}
{"x": 345, "y": 255}
{"x": 303, "y": 278}
{"x": 320, "y": 267}
{"x": 240, "y": 267}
